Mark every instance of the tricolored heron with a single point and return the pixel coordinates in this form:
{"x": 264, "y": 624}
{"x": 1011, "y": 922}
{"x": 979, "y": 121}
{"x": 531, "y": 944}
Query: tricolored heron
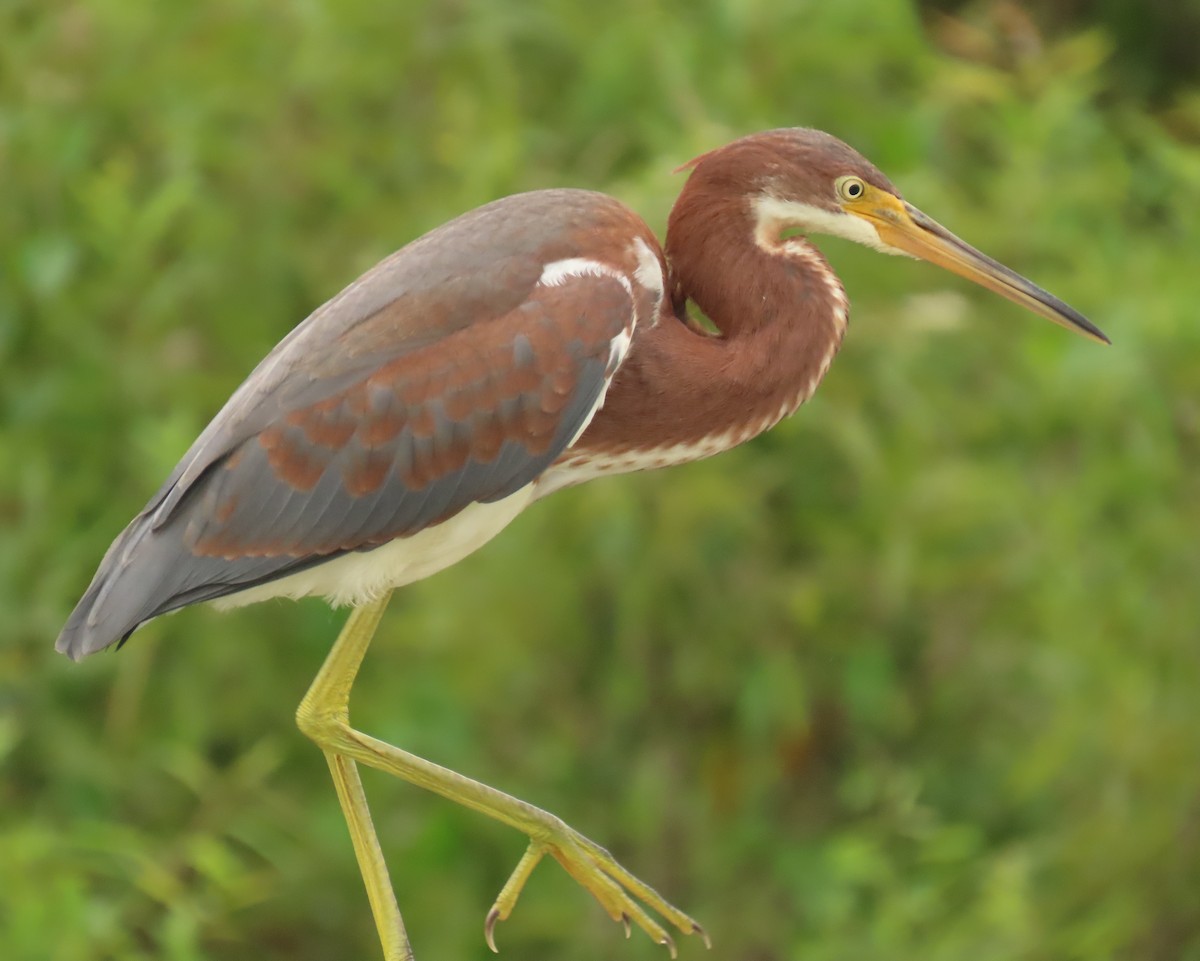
{"x": 534, "y": 343}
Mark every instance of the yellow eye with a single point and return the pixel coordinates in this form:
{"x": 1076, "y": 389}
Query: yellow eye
{"x": 850, "y": 188}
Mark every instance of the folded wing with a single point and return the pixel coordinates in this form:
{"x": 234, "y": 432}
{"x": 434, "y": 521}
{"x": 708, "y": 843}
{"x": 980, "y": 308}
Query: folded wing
{"x": 371, "y": 422}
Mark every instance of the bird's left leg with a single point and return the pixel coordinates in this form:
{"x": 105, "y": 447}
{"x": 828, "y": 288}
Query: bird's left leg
{"x": 324, "y": 717}
{"x": 328, "y": 690}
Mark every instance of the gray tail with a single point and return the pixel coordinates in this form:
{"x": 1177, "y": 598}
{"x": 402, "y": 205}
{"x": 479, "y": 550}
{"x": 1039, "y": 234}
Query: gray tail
{"x": 147, "y": 572}
{"x": 118, "y": 600}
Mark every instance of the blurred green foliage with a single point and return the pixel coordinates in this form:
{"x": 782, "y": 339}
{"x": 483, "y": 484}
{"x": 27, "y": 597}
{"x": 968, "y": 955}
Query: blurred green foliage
{"x": 916, "y": 676}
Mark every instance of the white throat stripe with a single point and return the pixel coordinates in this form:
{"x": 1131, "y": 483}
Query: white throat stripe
{"x": 772, "y": 214}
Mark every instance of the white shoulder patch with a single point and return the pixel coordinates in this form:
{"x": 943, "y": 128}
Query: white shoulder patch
{"x": 558, "y": 272}
{"x": 649, "y": 271}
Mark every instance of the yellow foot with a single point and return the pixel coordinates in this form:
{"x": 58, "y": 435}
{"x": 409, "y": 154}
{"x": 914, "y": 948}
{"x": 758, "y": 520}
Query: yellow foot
{"x": 623, "y": 897}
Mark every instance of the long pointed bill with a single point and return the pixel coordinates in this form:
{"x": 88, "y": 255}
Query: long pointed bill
{"x": 902, "y": 226}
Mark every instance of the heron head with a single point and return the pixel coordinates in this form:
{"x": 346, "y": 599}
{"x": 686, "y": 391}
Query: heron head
{"x": 802, "y": 180}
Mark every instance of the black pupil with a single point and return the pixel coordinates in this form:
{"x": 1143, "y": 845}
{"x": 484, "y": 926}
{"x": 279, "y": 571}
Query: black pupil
{"x": 853, "y": 189}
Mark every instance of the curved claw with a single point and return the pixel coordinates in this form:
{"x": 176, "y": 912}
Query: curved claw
{"x": 696, "y": 929}
{"x": 623, "y": 897}
{"x": 489, "y": 929}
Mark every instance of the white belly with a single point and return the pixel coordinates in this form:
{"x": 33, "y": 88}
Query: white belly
{"x": 358, "y": 577}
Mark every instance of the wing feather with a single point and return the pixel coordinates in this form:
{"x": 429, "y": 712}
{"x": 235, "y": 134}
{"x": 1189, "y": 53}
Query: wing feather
{"x": 319, "y": 454}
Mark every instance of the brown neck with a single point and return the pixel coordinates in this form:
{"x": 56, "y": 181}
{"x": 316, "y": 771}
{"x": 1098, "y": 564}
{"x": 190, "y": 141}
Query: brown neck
{"x": 780, "y": 313}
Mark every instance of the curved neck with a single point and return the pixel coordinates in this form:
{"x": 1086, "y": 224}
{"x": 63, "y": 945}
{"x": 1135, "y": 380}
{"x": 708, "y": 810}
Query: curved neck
{"x": 684, "y": 393}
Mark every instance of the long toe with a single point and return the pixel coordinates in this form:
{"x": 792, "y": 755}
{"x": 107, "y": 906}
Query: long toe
{"x": 624, "y": 897}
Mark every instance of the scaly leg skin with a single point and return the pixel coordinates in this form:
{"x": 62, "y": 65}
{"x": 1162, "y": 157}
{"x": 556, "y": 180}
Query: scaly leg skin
{"x": 324, "y": 717}
{"x": 392, "y": 936}
{"x": 380, "y": 894}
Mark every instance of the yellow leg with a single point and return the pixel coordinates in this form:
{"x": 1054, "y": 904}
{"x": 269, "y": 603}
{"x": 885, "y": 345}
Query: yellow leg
{"x": 324, "y": 716}
{"x": 380, "y": 894}
{"x": 327, "y": 688}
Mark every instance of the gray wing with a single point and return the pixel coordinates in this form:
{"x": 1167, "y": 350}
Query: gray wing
{"x": 417, "y": 391}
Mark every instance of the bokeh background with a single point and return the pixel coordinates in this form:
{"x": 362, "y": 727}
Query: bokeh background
{"x": 916, "y": 676}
